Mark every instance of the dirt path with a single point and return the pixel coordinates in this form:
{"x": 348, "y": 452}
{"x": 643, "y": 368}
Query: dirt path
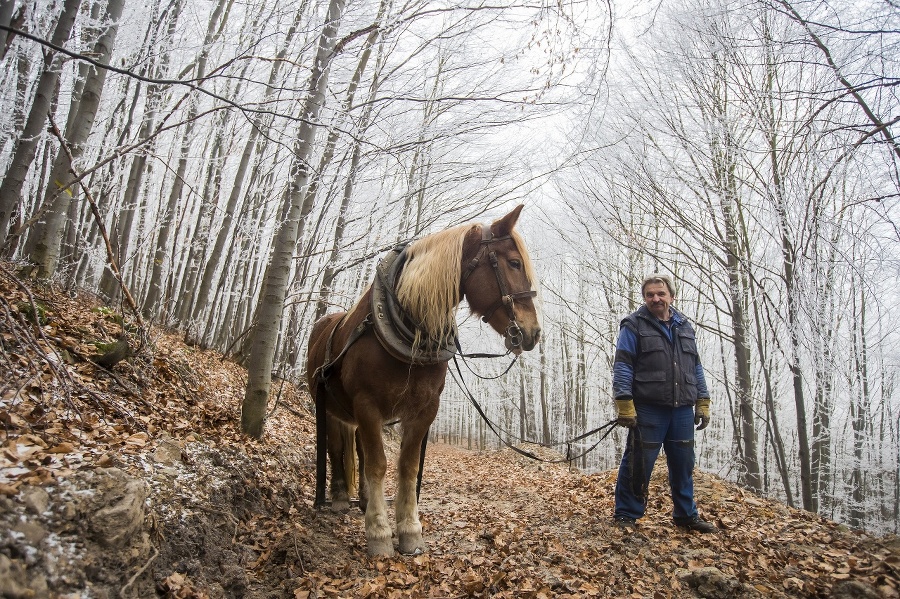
{"x": 500, "y": 525}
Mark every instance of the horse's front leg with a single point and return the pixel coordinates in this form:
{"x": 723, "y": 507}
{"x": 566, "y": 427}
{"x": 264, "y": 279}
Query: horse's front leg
{"x": 378, "y": 530}
{"x": 409, "y": 528}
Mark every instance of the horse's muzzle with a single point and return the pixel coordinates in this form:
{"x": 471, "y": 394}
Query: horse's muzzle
{"x": 518, "y": 339}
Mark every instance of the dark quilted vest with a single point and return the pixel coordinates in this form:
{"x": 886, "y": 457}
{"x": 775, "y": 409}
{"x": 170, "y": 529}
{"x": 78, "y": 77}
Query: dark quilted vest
{"x": 664, "y": 372}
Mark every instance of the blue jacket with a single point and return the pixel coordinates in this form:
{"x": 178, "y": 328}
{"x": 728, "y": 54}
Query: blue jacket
{"x": 658, "y": 364}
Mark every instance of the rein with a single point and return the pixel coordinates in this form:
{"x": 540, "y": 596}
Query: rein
{"x": 607, "y": 428}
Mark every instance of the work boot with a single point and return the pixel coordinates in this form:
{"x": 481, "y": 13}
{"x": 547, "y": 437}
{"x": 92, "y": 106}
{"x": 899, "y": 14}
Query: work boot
{"x": 696, "y": 523}
{"x": 624, "y": 522}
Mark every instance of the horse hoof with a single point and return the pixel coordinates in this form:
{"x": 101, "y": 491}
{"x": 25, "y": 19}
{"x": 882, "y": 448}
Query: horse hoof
{"x": 381, "y": 549}
{"x": 412, "y": 546}
{"x": 339, "y": 505}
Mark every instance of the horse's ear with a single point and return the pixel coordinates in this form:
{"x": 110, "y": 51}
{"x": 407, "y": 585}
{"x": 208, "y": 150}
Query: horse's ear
{"x": 504, "y": 226}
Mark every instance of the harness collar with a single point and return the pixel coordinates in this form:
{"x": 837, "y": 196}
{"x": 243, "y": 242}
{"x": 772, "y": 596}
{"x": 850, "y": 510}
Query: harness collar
{"x": 393, "y": 329}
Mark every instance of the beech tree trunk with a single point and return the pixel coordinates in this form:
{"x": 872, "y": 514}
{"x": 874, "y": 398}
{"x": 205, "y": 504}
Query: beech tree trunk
{"x": 124, "y": 219}
{"x": 26, "y": 146}
{"x": 163, "y": 238}
{"x": 271, "y": 303}
{"x": 60, "y": 190}
{"x": 261, "y": 123}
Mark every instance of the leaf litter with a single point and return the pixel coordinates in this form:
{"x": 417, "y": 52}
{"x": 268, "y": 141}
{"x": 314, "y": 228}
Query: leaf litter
{"x": 221, "y": 515}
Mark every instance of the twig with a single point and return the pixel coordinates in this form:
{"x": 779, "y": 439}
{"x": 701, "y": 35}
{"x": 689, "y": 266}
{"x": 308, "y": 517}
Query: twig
{"x": 229, "y": 515}
{"x": 122, "y": 384}
{"x": 239, "y": 337}
{"x": 277, "y": 399}
{"x": 110, "y": 255}
{"x": 139, "y": 572}
{"x": 297, "y": 551}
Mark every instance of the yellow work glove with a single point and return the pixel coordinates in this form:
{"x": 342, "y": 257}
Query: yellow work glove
{"x": 701, "y": 413}
{"x": 625, "y": 414}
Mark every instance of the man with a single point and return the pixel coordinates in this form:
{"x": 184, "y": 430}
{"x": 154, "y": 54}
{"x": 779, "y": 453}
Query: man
{"x": 660, "y": 393}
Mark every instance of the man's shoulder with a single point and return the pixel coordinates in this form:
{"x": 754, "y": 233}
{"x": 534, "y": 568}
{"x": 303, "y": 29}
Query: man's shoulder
{"x": 631, "y": 321}
{"x": 681, "y": 320}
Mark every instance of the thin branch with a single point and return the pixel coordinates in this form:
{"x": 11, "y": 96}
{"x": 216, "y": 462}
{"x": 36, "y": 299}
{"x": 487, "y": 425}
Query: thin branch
{"x": 110, "y": 255}
{"x": 853, "y": 90}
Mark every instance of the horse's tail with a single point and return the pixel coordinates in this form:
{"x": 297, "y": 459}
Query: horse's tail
{"x": 348, "y": 440}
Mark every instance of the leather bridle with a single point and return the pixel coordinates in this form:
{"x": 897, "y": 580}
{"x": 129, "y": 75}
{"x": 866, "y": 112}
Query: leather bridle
{"x": 513, "y": 330}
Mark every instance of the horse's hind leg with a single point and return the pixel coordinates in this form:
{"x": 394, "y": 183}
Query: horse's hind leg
{"x": 378, "y": 529}
{"x": 361, "y": 478}
{"x": 337, "y": 454}
{"x": 409, "y": 528}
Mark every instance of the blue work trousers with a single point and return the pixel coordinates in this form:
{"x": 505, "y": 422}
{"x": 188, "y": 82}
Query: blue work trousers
{"x": 673, "y": 429}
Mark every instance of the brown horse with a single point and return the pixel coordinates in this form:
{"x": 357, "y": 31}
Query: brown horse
{"x": 365, "y": 379}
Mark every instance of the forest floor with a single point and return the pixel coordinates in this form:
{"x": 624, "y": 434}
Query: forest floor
{"x": 136, "y": 482}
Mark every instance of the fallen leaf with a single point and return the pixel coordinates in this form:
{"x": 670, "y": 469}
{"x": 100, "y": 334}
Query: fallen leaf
{"x": 9, "y": 490}
{"x": 64, "y": 447}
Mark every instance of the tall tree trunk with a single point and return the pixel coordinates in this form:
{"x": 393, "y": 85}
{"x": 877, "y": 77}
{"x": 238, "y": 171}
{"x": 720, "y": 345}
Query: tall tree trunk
{"x": 200, "y": 240}
{"x": 331, "y": 268}
{"x": 23, "y": 79}
{"x": 271, "y": 304}
{"x": 523, "y": 406}
{"x": 252, "y": 214}
{"x": 749, "y": 473}
{"x": 859, "y": 413}
{"x": 774, "y": 435}
{"x": 260, "y": 123}
{"x": 124, "y": 221}
{"x": 7, "y": 8}
{"x": 302, "y": 266}
{"x": 163, "y": 240}
{"x": 806, "y": 475}
{"x": 26, "y": 147}
{"x": 545, "y": 401}
{"x": 59, "y": 190}
{"x": 417, "y": 180}
{"x": 789, "y": 279}
{"x": 823, "y": 406}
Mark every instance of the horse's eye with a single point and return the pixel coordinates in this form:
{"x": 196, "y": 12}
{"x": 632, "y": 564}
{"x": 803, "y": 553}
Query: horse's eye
{"x": 516, "y": 264}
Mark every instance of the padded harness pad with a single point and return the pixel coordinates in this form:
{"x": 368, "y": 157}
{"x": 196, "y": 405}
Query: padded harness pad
{"x": 392, "y": 328}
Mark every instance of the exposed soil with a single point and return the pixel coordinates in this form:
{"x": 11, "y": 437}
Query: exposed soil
{"x": 135, "y": 482}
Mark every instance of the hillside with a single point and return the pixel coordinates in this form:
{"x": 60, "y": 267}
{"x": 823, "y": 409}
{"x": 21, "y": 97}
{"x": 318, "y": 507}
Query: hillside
{"x": 135, "y": 482}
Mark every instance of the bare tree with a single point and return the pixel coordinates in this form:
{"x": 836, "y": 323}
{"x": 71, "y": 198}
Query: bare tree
{"x": 29, "y": 137}
{"x": 161, "y": 255}
{"x": 271, "y": 303}
{"x": 60, "y": 191}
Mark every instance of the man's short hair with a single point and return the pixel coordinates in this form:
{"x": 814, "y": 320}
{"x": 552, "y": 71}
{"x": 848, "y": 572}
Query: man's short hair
{"x": 658, "y": 278}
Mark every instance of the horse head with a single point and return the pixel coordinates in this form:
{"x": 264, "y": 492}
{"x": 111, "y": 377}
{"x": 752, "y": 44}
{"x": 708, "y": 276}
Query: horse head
{"x": 499, "y": 282}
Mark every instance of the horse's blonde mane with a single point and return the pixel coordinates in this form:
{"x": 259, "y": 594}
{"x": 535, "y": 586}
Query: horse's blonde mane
{"x": 428, "y": 288}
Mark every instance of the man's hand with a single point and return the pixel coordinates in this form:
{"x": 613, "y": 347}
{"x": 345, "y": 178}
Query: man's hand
{"x": 625, "y": 413}
{"x": 701, "y": 413}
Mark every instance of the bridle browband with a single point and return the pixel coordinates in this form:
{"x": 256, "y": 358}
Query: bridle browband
{"x": 507, "y": 299}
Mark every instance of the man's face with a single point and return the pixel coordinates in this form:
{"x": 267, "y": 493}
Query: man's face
{"x": 658, "y": 299}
